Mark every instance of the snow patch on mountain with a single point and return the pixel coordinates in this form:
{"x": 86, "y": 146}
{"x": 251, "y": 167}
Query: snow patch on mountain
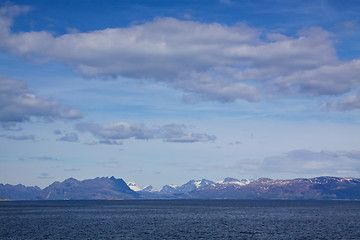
{"x": 187, "y": 187}
{"x": 197, "y": 183}
{"x": 234, "y": 181}
{"x": 149, "y": 188}
{"x": 133, "y": 186}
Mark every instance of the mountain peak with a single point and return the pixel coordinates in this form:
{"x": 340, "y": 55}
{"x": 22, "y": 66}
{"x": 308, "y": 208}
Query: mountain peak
{"x": 230, "y": 188}
{"x": 133, "y": 186}
{"x": 71, "y": 180}
{"x": 149, "y": 189}
{"x": 168, "y": 189}
{"x": 97, "y": 188}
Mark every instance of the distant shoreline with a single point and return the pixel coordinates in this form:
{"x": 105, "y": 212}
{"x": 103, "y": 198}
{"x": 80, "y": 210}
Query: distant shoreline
{"x": 179, "y": 200}
{"x": 5, "y": 199}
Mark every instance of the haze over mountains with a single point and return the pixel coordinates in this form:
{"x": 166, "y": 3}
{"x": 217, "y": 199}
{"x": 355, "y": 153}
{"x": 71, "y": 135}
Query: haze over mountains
{"x": 319, "y": 188}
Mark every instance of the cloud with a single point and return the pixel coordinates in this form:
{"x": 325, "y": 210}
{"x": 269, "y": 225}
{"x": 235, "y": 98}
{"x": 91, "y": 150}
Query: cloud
{"x": 324, "y": 162}
{"x": 349, "y": 26}
{"x": 45, "y": 176}
{"x": 18, "y": 104}
{"x": 302, "y": 163}
{"x": 10, "y": 126}
{"x": 44, "y": 158}
{"x": 19, "y": 138}
{"x": 114, "y": 133}
{"x": 111, "y": 142}
{"x": 9, "y": 11}
{"x": 213, "y": 86}
{"x": 69, "y": 137}
{"x": 178, "y": 133}
{"x": 91, "y": 142}
{"x": 118, "y": 130}
{"x": 57, "y": 132}
{"x": 210, "y": 61}
{"x": 325, "y": 80}
{"x": 72, "y": 169}
{"x": 349, "y": 103}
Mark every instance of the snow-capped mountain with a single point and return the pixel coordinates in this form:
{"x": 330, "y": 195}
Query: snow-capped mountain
{"x": 265, "y": 188}
{"x": 149, "y": 189}
{"x": 187, "y": 187}
{"x": 319, "y": 188}
{"x": 169, "y": 189}
{"x": 229, "y": 181}
{"x": 133, "y": 186}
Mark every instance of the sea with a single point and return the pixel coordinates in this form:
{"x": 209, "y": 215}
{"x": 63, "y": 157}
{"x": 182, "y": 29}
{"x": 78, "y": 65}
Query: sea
{"x": 180, "y": 219}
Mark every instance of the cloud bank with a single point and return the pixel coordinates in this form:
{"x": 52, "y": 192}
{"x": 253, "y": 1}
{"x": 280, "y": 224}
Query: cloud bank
{"x": 332, "y": 162}
{"x": 208, "y": 61}
{"x": 114, "y": 133}
{"x": 18, "y": 104}
{"x": 303, "y": 162}
{"x": 19, "y": 138}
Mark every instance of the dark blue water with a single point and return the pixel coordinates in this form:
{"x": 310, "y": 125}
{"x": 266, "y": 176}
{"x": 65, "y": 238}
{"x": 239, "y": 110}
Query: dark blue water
{"x": 180, "y": 219}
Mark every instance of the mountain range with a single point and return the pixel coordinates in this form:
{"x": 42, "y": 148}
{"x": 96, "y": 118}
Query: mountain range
{"x": 318, "y": 188}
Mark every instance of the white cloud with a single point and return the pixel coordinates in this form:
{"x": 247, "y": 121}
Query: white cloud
{"x": 349, "y": 103}
{"x": 325, "y": 80}
{"x": 69, "y": 137}
{"x": 18, "y": 103}
{"x": 206, "y": 86}
{"x": 211, "y": 61}
{"x": 8, "y": 12}
{"x": 179, "y": 133}
{"x": 114, "y": 133}
{"x": 118, "y": 130}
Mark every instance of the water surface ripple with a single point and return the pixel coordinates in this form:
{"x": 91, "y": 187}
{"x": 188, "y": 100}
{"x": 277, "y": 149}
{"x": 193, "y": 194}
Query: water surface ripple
{"x": 180, "y": 219}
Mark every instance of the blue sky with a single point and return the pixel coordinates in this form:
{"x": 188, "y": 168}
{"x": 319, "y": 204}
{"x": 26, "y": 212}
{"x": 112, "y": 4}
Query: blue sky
{"x": 161, "y": 92}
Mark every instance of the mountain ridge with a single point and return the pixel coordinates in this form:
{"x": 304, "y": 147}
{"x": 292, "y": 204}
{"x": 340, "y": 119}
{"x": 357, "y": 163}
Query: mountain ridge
{"x": 105, "y": 188}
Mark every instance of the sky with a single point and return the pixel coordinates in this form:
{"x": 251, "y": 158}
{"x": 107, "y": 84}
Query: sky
{"x": 161, "y": 92}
